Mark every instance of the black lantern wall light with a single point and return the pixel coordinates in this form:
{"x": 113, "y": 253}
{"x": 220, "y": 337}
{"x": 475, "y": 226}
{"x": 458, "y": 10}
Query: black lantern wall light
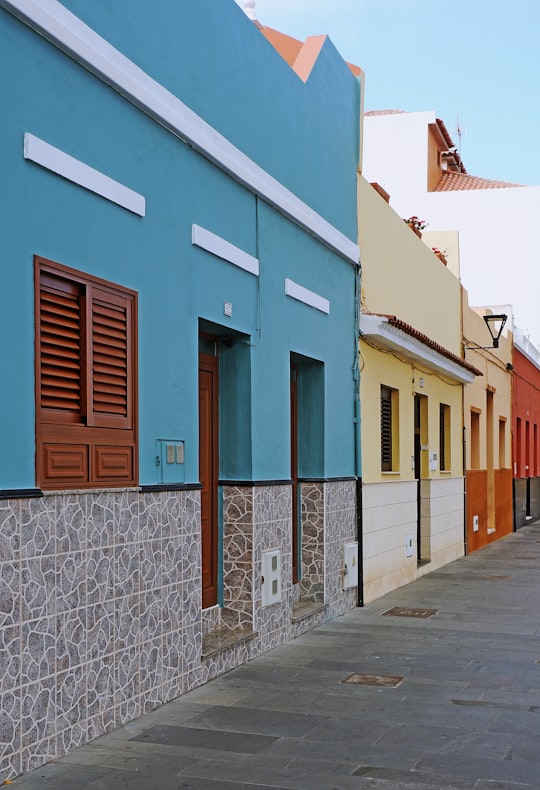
{"x": 495, "y": 324}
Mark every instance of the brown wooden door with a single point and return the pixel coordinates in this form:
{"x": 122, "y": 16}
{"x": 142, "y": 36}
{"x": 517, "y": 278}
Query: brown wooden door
{"x": 417, "y": 473}
{"x": 208, "y": 474}
{"x": 294, "y": 471}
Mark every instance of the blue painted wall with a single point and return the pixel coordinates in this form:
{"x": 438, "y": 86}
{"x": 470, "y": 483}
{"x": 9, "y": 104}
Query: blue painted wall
{"x": 306, "y": 136}
{"x": 211, "y": 56}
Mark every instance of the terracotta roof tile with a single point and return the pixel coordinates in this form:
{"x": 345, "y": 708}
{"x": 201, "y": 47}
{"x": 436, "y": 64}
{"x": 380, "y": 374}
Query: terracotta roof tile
{"x": 445, "y": 133}
{"x": 454, "y": 182}
{"x": 427, "y": 341}
{"x": 292, "y": 50}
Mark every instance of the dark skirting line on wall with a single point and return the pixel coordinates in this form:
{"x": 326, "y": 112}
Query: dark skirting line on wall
{"x": 20, "y": 493}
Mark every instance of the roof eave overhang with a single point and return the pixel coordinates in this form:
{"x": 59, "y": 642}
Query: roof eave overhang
{"x": 378, "y": 329}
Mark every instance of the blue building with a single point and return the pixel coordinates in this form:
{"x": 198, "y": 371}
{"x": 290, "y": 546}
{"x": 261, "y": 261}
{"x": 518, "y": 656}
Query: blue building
{"x": 178, "y": 391}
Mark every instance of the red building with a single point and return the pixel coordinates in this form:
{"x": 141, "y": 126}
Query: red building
{"x": 526, "y": 431}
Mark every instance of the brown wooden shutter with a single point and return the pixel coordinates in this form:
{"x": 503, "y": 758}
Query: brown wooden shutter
{"x": 61, "y": 349}
{"x": 109, "y": 359}
{"x": 386, "y": 429}
{"x": 442, "y": 436}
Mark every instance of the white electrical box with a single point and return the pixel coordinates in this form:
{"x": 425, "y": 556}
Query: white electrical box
{"x": 350, "y": 565}
{"x": 475, "y": 523}
{"x": 170, "y": 461}
{"x": 433, "y": 461}
{"x": 271, "y": 577}
{"x": 409, "y": 546}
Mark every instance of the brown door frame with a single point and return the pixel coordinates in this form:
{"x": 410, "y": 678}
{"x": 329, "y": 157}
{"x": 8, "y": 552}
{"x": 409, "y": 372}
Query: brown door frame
{"x": 209, "y": 474}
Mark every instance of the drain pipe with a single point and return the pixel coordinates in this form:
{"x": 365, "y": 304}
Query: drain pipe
{"x": 357, "y": 439}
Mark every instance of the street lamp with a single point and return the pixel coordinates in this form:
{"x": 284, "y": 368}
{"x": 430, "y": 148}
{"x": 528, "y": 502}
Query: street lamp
{"x": 495, "y": 324}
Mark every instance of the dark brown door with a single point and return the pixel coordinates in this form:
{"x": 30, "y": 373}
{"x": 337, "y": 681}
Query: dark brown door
{"x": 208, "y": 474}
{"x": 294, "y": 470}
{"x": 417, "y": 473}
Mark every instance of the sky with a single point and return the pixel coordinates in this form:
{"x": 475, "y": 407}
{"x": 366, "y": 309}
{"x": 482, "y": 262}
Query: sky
{"x": 475, "y": 63}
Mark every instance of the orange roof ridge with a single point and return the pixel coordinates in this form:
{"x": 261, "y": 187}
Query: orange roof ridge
{"x": 287, "y": 46}
{"x": 308, "y": 56}
{"x": 301, "y": 56}
{"x": 451, "y": 182}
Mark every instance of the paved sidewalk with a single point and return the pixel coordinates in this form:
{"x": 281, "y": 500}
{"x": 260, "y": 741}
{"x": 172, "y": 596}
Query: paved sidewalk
{"x": 465, "y": 715}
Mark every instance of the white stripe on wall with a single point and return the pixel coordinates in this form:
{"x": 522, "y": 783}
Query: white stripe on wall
{"x": 208, "y": 241}
{"x": 67, "y": 32}
{"x": 307, "y": 297}
{"x": 74, "y": 170}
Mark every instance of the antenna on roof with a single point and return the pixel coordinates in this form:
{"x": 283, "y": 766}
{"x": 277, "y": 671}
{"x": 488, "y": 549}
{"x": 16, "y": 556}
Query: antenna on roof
{"x": 460, "y": 132}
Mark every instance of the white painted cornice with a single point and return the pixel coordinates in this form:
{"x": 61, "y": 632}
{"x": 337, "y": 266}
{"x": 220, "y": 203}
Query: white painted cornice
{"x": 526, "y": 347}
{"x": 306, "y": 296}
{"x": 66, "y": 31}
{"x": 51, "y": 158}
{"x": 223, "y": 249}
{"x": 378, "y": 329}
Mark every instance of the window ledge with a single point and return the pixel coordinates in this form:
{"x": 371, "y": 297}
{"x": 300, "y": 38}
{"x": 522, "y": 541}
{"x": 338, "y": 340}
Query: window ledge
{"x": 392, "y": 473}
{"x": 304, "y": 609}
{"x": 224, "y": 638}
{"x": 71, "y": 491}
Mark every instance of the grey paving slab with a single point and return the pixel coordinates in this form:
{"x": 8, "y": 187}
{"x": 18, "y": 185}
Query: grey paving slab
{"x": 412, "y": 779}
{"x": 55, "y": 776}
{"x": 251, "y": 720}
{"x": 494, "y": 785}
{"x": 205, "y": 738}
{"x": 465, "y": 717}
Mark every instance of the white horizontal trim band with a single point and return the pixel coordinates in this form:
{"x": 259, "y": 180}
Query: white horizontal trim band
{"x": 208, "y": 241}
{"x": 62, "y": 164}
{"x": 307, "y": 297}
{"x": 67, "y": 32}
{"x": 527, "y": 348}
{"x": 377, "y": 329}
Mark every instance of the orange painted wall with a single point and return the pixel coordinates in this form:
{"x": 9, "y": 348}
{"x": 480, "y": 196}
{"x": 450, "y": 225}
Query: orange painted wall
{"x": 477, "y": 486}
{"x": 503, "y": 502}
{"x": 489, "y": 492}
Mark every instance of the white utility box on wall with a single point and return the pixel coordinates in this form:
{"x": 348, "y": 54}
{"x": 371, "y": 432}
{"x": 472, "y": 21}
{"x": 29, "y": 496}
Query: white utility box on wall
{"x": 271, "y": 577}
{"x": 350, "y": 565}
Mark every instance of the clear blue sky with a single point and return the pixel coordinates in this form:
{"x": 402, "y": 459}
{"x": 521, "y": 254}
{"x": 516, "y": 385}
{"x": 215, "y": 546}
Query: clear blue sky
{"x": 476, "y": 60}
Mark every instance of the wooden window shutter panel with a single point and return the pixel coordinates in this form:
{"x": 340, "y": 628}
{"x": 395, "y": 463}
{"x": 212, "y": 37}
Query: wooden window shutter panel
{"x": 386, "y": 429}
{"x": 109, "y": 359}
{"x": 61, "y": 349}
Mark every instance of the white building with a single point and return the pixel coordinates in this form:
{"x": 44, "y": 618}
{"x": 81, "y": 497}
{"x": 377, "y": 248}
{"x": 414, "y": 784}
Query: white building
{"x": 412, "y": 156}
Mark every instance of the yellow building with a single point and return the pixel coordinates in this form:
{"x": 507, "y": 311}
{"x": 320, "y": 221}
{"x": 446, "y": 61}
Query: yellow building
{"x": 412, "y": 379}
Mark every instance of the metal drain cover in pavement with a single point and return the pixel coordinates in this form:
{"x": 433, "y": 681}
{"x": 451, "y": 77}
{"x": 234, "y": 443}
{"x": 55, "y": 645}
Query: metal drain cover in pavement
{"x": 499, "y": 578}
{"x": 388, "y": 681}
{"x": 403, "y": 611}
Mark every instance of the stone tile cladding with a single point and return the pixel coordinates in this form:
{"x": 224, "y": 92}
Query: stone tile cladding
{"x": 312, "y": 510}
{"x": 340, "y": 528}
{"x": 100, "y": 617}
{"x": 328, "y": 521}
{"x": 237, "y": 558}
